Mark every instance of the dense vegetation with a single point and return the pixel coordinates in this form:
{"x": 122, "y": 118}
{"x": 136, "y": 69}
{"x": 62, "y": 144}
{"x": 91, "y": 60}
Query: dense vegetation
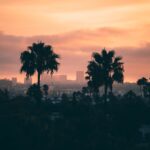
{"x": 77, "y": 122}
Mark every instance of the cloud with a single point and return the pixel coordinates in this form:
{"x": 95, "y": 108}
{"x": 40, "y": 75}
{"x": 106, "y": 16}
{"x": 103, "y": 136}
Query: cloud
{"x": 76, "y": 48}
{"x": 57, "y": 17}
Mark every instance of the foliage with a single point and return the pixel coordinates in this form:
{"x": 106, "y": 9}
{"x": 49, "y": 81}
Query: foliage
{"x": 104, "y": 69}
{"x": 74, "y": 123}
{"x": 39, "y": 58}
{"x": 35, "y": 92}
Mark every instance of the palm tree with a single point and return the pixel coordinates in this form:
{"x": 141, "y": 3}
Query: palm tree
{"x": 93, "y": 76}
{"x": 39, "y": 58}
{"x": 142, "y": 82}
{"x": 104, "y": 69}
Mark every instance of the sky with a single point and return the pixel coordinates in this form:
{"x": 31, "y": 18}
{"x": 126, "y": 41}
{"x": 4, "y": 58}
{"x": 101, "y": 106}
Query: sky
{"x": 76, "y": 29}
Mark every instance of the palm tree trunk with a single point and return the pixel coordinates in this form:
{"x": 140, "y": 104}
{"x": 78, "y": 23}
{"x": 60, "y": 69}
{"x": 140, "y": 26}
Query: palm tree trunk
{"x": 38, "y": 82}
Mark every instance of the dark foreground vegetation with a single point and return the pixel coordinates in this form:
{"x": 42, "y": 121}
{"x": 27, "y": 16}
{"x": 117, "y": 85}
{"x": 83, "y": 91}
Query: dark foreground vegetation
{"x": 81, "y": 121}
{"x": 77, "y": 122}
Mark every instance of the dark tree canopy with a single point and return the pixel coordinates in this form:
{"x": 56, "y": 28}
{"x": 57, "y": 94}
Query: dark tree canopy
{"x": 35, "y": 92}
{"x": 142, "y": 81}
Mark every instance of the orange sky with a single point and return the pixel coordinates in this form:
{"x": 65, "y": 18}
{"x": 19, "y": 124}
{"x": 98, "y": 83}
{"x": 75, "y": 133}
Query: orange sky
{"x": 76, "y": 29}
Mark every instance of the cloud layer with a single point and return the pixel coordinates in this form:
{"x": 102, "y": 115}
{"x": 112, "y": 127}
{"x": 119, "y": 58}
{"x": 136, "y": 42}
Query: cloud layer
{"x": 76, "y": 48}
{"x": 34, "y": 17}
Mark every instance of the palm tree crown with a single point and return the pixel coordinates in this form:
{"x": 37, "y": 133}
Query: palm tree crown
{"x": 39, "y": 58}
{"x": 104, "y": 69}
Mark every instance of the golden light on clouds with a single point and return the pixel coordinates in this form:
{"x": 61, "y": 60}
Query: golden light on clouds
{"x": 49, "y": 17}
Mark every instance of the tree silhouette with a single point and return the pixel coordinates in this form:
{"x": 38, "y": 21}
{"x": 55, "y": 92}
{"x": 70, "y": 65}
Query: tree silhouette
{"x": 142, "y": 82}
{"x": 39, "y": 58}
{"x": 94, "y": 72}
{"x": 104, "y": 69}
{"x": 45, "y": 89}
{"x": 85, "y": 90}
{"x": 35, "y": 92}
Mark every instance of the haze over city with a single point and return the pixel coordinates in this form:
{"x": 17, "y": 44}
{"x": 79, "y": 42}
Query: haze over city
{"x": 75, "y": 29}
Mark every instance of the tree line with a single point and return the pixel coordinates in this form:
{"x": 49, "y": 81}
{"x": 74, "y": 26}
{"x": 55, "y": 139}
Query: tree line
{"x": 103, "y": 69}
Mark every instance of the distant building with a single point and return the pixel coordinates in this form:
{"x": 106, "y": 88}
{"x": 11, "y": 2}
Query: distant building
{"x": 60, "y": 78}
{"x": 45, "y": 78}
{"x": 5, "y": 84}
{"x": 80, "y": 77}
{"x": 55, "y": 78}
{"x": 27, "y": 82}
{"x": 14, "y": 81}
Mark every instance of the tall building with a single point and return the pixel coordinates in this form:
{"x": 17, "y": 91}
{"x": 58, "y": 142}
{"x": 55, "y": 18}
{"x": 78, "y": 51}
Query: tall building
{"x": 14, "y": 81}
{"x": 28, "y": 82}
{"x": 80, "y": 77}
{"x": 45, "y": 78}
{"x": 60, "y": 78}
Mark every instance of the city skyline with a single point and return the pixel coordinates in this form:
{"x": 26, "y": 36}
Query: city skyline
{"x": 47, "y": 78}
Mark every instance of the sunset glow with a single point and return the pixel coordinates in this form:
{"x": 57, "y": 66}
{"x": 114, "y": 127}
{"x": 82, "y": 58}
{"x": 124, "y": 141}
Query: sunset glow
{"x": 76, "y": 29}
